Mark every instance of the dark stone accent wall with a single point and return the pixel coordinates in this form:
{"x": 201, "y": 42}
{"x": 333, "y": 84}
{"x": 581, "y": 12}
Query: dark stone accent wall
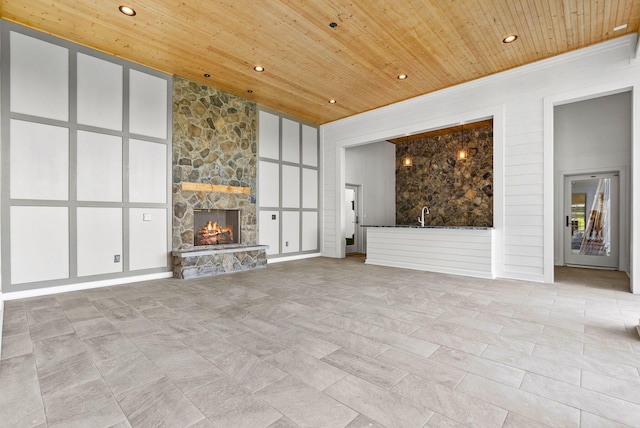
{"x": 457, "y": 192}
{"x": 214, "y": 142}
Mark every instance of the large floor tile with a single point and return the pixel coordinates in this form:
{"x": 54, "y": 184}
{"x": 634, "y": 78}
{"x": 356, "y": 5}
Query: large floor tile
{"x": 226, "y": 404}
{"x": 20, "y": 398}
{"x": 423, "y": 367}
{"x": 258, "y": 345}
{"x": 372, "y": 370}
{"x": 479, "y": 365}
{"x": 64, "y": 373}
{"x": 306, "y": 368}
{"x": 87, "y": 404}
{"x": 58, "y": 347}
{"x": 454, "y": 405}
{"x": 248, "y": 370}
{"x": 591, "y": 401}
{"x": 305, "y": 405}
{"x": 383, "y": 406}
{"x": 158, "y": 404}
{"x": 356, "y": 343}
{"x": 187, "y": 369}
{"x": 306, "y": 342}
{"x": 128, "y": 371}
{"x": 530, "y": 405}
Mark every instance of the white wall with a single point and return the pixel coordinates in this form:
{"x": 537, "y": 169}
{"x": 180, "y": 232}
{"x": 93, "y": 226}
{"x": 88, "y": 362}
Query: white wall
{"x": 517, "y": 100}
{"x": 288, "y": 177}
{"x": 590, "y": 136}
{"x": 86, "y": 153}
{"x": 373, "y": 166}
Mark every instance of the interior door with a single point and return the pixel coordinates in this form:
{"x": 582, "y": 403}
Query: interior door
{"x": 592, "y": 220}
{"x": 352, "y": 220}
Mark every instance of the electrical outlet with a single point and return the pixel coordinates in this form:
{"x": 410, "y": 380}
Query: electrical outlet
{"x": 273, "y": 216}
{"x": 116, "y": 258}
{"x": 286, "y": 244}
{"x": 146, "y": 217}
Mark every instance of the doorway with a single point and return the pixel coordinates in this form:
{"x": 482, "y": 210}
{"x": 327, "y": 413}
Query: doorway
{"x": 592, "y": 220}
{"x": 352, "y": 215}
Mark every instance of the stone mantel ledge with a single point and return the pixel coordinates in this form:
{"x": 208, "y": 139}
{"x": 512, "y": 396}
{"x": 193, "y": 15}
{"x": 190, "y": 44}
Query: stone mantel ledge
{"x": 205, "y": 250}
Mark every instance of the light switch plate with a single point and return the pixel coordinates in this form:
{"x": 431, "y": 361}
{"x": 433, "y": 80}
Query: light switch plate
{"x": 146, "y": 217}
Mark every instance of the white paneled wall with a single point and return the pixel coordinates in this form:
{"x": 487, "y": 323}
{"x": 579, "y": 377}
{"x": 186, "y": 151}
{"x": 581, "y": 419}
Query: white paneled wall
{"x": 99, "y": 173}
{"x": 33, "y": 91}
{"x": 85, "y": 165}
{"x": 288, "y": 179}
{"x": 39, "y": 161}
{"x": 516, "y": 101}
{"x": 39, "y": 244}
{"x": 99, "y": 239}
{"x": 103, "y": 80}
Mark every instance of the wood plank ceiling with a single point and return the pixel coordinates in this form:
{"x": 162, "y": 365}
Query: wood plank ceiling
{"x": 307, "y": 62}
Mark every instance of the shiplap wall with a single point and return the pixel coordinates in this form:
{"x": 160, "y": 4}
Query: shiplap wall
{"x": 516, "y": 101}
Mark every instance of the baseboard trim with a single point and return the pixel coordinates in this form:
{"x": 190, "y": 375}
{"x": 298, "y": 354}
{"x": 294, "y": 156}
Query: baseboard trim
{"x": 290, "y": 258}
{"x": 83, "y": 286}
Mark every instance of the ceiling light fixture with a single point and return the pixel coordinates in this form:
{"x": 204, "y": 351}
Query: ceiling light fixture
{"x": 207, "y": 75}
{"x": 332, "y": 101}
{"x": 463, "y": 153}
{"x": 620, "y": 27}
{"x": 402, "y": 76}
{"x": 250, "y": 91}
{"x": 258, "y": 68}
{"x": 333, "y": 25}
{"x": 510, "y": 39}
{"x": 129, "y": 11}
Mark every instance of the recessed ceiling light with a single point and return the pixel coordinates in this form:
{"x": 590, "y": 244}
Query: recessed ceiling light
{"x": 127, "y": 10}
{"x": 207, "y": 75}
{"x": 402, "y": 76}
{"x": 510, "y": 39}
{"x": 620, "y": 27}
{"x": 332, "y": 101}
{"x": 258, "y": 68}
{"x": 333, "y": 24}
{"x": 250, "y": 91}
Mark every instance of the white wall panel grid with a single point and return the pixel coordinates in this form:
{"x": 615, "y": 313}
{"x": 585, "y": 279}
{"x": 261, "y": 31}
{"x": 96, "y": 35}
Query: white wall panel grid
{"x": 147, "y": 172}
{"x": 39, "y": 84}
{"x": 99, "y": 167}
{"x": 39, "y": 158}
{"x": 290, "y": 232}
{"x": 288, "y": 182}
{"x": 148, "y": 104}
{"x": 516, "y": 100}
{"x": 291, "y": 186}
{"x": 84, "y": 146}
{"x": 103, "y": 80}
{"x": 39, "y": 246}
{"x": 147, "y": 238}
{"x": 99, "y": 238}
{"x": 290, "y": 141}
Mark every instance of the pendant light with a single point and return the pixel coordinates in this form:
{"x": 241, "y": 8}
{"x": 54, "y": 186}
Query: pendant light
{"x": 463, "y": 153}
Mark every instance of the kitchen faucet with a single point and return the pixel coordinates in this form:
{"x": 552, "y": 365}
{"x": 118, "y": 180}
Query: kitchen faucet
{"x": 421, "y": 219}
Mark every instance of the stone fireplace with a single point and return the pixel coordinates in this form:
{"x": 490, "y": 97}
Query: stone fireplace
{"x": 214, "y": 172}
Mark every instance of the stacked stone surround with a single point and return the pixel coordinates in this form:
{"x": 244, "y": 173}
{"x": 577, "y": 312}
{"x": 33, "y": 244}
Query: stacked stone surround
{"x": 457, "y": 192}
{"x": 214, "y": 142}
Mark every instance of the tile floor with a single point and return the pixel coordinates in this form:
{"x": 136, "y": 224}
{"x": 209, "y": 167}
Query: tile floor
{"x": 327, "y": 343}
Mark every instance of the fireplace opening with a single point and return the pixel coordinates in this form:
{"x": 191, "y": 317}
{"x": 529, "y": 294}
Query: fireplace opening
{"x": 216, "y": 227}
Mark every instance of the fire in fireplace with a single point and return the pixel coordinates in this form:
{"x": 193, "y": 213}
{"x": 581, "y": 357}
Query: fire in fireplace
{"x": 216, "y": 227}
